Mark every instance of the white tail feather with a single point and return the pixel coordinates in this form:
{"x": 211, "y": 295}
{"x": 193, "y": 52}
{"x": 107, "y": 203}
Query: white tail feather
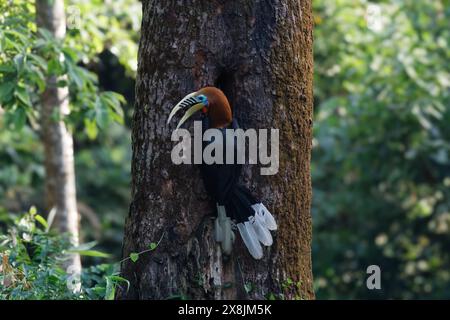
{"x": 227, "y": 243}
{"x": 265, "y": 216}
{"x": 218, "y": 232}
{"x": 261, "y": 230}
{"x": 222, "y": 230}
{"x": 253, "y": 232}
{"x": 250, "y": 239}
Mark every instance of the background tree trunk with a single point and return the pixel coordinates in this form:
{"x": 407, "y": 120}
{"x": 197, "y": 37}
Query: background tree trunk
{"x": 59, "y": 156}
{"x": 260, "y": 54}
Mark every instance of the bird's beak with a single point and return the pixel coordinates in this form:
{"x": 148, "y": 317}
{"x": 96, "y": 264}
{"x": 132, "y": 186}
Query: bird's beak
{"x": 190, "y": 102}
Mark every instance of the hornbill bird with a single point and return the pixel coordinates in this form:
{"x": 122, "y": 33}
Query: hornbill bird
{"x": 236, "y": 206}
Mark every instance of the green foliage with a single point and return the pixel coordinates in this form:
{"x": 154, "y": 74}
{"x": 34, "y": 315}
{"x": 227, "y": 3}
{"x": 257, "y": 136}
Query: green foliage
{"x": 102, "y": 165}
{"x": 29, "y": 56}
{"x": 99, "y": 26}
{"x": 32, "y": 265}
{"x": 381, "y": 166}
{"x": 103, "y": 186}
{"x": 21, "y": 169}
{"x": 134, "y": 256}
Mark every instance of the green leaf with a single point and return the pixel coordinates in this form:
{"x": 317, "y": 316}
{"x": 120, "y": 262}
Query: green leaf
{"x": 38, "y": 78}
{"x": 75, "y": 75}
{"x": 39, "y": 61}
{"x": 99, "y": 290}
{"x": 91, "y": 128}
{"x": 54, "y": 67}
{"x": 17, "y": 35}
{"x": 6, "y": 90}
{"x": 90, "y": 253}
{"x": 134, "y": 256}
{"x": 112, "y": 101}
{"x": 152, "y": 246}
{"x": 70, "y": 54}
{"x": 22, "y": 94}
{"x": 114, "y": 96}
{"x": 44, "y": 33}
{"x": 116, "y": 279}
{"x": 19, "y": 61}
{"x": 119, "y": 97}
{"x": 19, "y": 117}
{"x": 119, "y": 278}
{"x": 42, "y": 221}
{"x": 7, "y": 68}
{"x": 110, "y": 289}
{"x": 101, "y": 113}
{"x": 86, "y": 246}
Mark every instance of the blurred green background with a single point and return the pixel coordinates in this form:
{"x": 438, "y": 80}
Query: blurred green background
{"x": 380, "y": 164}
{"x": 381, "y": 167}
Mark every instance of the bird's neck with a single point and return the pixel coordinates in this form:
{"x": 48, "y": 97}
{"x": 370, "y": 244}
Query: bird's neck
{"x": 220, "y": 117}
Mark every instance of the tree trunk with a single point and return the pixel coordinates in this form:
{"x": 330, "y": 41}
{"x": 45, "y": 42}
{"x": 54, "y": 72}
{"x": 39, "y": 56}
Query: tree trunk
{"x": 260, "y": 54}
{"x": 59, "y": 156}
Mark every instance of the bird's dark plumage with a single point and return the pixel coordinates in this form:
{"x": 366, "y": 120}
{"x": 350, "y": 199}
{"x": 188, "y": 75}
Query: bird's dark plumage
{"x": 222, "y": 181}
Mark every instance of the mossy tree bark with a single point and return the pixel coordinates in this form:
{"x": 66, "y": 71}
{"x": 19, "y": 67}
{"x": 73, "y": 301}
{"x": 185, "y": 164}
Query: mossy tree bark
{"x": 260, "y": 54}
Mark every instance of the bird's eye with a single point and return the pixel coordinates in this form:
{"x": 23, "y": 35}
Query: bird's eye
{"x": 202, "y": 98}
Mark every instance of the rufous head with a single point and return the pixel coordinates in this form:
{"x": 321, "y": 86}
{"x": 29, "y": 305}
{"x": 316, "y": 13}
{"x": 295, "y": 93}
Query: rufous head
{"x": 211, "y": 101}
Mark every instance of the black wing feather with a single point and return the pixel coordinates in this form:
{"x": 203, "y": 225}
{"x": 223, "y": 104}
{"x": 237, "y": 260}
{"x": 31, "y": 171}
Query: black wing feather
{"x": 222, "y": 182}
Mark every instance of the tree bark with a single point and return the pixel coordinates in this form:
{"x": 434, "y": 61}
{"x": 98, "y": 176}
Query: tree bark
{"x": 58, "y": 144}
{"x": 260, "y": 54}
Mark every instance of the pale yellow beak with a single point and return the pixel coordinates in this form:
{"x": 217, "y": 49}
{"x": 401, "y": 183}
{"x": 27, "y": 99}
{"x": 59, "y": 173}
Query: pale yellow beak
{"x": 187, "y": 101}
